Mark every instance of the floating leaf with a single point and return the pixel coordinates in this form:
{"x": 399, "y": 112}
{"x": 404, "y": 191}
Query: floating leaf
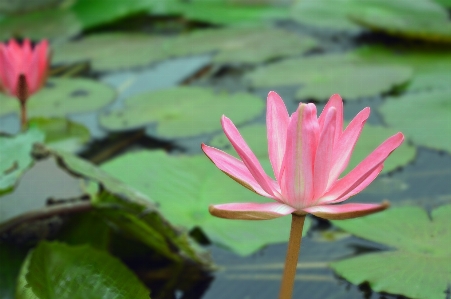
{"x": 327, "y": 14}
{"x": 51, "y": 23}
{"x": 182, "y": 111}
{"x": 418, "y": 268}
{"x": 430, "y": 66}
{"x": 426, "y": 121}
{"x": 371, "y": 137}
{"x": 61, "y": 97}
{"x": 112, "y": 51}
{"x": 56, "y": 270}
{"x": 241, "y": 45}
{"x": 20, "y": 7}
{"x": 11, "y": 258}
{"x": 61, "y": 133}
{"x": 419, "y": 19}
{"x": 322, "y": 76}
{"x": 185, "y": 186}
{"x": 16, "y": 157}
{"x": 230, "y": 13}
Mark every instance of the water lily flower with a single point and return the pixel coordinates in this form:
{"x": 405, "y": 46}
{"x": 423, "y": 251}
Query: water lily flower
{"x": 23, "y": 69}
{"x": 308, "y": 155}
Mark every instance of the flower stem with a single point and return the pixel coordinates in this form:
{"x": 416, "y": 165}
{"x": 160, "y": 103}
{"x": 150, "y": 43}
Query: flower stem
{"x": 23, "y": 116}
{"x": 291, "y": 260}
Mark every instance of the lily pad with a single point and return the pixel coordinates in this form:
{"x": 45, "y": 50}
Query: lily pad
{"x": 51, "y": 24}
{"x": 11, "y": 258}
{"x": 322, "y": 76}
{"x": 182, "y": 111}
{"x": 421, "y": 19}
{"x": 241, "y": 45}
{"x": 61, "y": 97}
{"x": 327, "y": 14}
{"x": 112, "y": 51}
{"x": 371, "y": 137}
{"x": 185, "y": 186}
{"x": 16, "y": 157}
{"x": 61, "y": 133}
{"x": 56, "y": 270}
{"x": 426, "y": 121}
{"x": 419, "y": 265}
{"x": 430, "y": 66}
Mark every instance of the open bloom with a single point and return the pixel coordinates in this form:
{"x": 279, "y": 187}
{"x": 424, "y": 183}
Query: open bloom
{"x": 307, "y": 154}
{"x": 23, "y": 69}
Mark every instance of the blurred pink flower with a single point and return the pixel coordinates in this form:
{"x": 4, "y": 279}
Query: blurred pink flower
{"x": 307, "y": 154}
{"x": 22, "y": 61}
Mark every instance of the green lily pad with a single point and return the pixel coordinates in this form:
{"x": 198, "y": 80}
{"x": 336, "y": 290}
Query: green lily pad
{"x": 419, "y": 265}
{"x": 185, "y": 186}
{"x": 16, "y": 157}
{"x": 426, "y": 121}
{"x": 420, "y": 19}
{"x": 11, "y": 258}
{"x": 430, "y": 66}
{"x": 371, "y": 137}
{"x": 112, "y": 51}
{"x": 20, "y": 7}
{"x": 61, "y": 133}
{"x": 322, "y": 76}
{"x": 182, "y": 111}
{"x": 327, "y": 14}
{"x": 61, "y": 97}
{"x": 241, "y": 45}
{"x": 56, "y": 270}
{"x": 445, "y": 3}
{"x": 50, "y": 24}
{"x": 132, "y": 212}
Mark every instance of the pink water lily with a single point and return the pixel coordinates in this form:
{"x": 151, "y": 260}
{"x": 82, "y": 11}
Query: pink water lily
{"x": 308, "y": 155}
{"x": 22, "y": 59}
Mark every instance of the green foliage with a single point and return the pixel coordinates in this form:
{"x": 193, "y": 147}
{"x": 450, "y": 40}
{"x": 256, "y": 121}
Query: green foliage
{"x": 322, "y": 76}
{"x": 11, "y": 258}
{"x": 426, "y": 121}
{"x": 418, "y": 268}
{"x": 16, "y": 157}
{"x": 185, "y": 186}
{"x": 182, "y": 111}
{"x": 61, "y": 97}
{"x": 56, "y": 270}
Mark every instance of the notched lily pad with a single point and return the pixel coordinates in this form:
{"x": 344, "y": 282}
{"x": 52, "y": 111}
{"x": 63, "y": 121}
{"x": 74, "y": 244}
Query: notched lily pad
{"x": 241, "y": 45}
{"x": 16, "y": 157}
{"x": 184, "y": 187}
{"x": 322, "y": 76}
{"x": 182, "y": 111}
{"x": 427, "y": 121}
{"x": 62, "y": 97}
{"x": 55, "y": 270}
{"x": 419, "y": 265}
{"x": 112, "y": 51}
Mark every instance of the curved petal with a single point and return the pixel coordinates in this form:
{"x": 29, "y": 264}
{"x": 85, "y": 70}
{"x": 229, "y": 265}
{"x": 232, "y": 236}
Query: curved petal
{"x": 336, "y": 102}
{"x": 366, "y": 168}
{"x": 346, "y": 211}
{"x": 251, "y": 211}
{"x": 324, "y": 154}
{"x": 344, "y": 147}
{"x": 234, "y": 168}
{"x": 297, "y": 170}
{"x": 247, "y": 156}
{"x": 277, "y": 119}
{"x": 42, "y": 52}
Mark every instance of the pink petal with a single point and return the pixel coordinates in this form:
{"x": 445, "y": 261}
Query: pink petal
{"x": 324, "y": 153}
{"x": 365, "y": 169}
{"x": 247, "y": 156}
{"x": 336, "y": 102}
{"x": 42, "y": 52}
{"x": 346, "y": 211}
{"x": 302, "y": 139}
{"x": 344, "y": 147}
{"x": 234, "y": 168}
{"x": 277, "y": 119}
{"x": 251, "y": 211}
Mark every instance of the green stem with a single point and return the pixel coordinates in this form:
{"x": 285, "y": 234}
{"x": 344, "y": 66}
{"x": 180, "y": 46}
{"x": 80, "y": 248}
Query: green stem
{"x": 291, "y": 260}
